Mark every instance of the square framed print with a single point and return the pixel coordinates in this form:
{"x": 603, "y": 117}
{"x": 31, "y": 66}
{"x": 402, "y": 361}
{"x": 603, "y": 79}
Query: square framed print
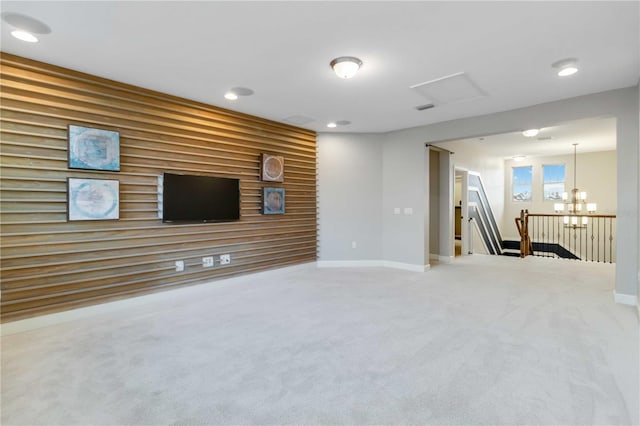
{"x": 94, "y": 149}
{"x": 273, "y": 201}
{"x": 93, "y": 199}
{"x": 271, "y": 168}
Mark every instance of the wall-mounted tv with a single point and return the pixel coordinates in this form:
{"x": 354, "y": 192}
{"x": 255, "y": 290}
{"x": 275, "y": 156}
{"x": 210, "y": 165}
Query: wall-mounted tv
{"x": 189, "y": 198}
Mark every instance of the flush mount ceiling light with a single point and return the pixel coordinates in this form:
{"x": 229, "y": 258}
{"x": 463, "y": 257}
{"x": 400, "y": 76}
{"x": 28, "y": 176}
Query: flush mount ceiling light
{"x": 531, "y": 133}
{"x": 519, "y": 158}
{"x": 25, "y": 26}
{"x": 346, "y": 66}
{"x": 332, "y": 125}
{"x": 233, "y": 94}
{"x": 566, "y": 67}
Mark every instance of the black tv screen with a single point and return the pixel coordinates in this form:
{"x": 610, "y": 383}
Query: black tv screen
{"x": 188, "y": 198}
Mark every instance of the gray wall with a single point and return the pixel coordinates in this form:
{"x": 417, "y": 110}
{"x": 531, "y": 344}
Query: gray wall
{"x": 405, "y": 175}
{"x": 350, "y": 196}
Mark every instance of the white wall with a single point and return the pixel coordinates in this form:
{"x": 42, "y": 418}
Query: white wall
{"x": 596, "y": 175}
{"x": 472, "y": 157}
{"x": 405, "y": 172}
{"x": 350, "y": 196}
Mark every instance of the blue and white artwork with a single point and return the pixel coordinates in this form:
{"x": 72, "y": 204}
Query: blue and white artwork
{"x": 94, "y": 149}
{"x": 273, "y": 201}
{"x": 93, "y": 199}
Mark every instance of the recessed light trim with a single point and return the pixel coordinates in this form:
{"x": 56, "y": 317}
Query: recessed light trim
{"x": 332, "y": 125}
{"x": 530, "y": 133}
{"x": 230, "y": 96}
{"x": 566, "y": 67}
{"x": 346, "y": 66}
{"x": 25, "y": 23}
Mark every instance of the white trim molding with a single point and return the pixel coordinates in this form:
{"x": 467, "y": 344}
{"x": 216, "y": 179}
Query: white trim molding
{"x": 625, "y": 299}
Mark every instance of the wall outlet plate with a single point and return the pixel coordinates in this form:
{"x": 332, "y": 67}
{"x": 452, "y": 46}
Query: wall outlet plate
{"x": 179, "y": 265}
{"x": 207, "y": 261}
{"x": 225, "y": 259}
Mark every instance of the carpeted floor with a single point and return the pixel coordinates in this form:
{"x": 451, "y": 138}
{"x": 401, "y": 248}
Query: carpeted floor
{"x": 484, "y": 340}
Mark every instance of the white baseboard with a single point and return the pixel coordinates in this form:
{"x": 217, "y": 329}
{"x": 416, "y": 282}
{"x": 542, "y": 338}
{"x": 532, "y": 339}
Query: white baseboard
{"x": 372, "y": 264}
{"x": 625, "y": 299}
{"x": 406, "y": 266}
{"x": 445, "y": 259}
{"x": 47, "y": 320}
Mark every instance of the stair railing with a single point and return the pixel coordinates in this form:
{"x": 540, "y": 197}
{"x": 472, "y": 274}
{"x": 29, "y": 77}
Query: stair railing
{"x": 589, "y": 238}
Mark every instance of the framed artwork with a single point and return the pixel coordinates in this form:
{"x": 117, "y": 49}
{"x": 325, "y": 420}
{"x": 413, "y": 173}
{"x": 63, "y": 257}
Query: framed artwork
{"x": 273, "y": 200}
{"x": 94, "y": 149}
{"x": 271, "y": 168}
{"x": 93, "y": 199}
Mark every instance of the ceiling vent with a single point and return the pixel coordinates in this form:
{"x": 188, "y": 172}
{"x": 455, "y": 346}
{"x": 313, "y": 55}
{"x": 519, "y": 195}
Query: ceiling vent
{"x": 450, "y": 89}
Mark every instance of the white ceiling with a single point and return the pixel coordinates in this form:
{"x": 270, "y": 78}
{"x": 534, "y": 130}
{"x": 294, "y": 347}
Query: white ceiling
{"x": 282, "y": 50}
{"x": 591, "y": 135}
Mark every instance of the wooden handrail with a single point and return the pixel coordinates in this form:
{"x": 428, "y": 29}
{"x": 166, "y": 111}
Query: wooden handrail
{"x": 562, "y": 215}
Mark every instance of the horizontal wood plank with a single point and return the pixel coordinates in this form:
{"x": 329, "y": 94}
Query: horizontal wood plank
{"x": 49, "y": 264}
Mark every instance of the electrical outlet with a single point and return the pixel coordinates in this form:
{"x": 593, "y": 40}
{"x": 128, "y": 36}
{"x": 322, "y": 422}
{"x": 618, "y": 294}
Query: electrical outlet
{"x": 179, "y": 265}
{"x": 225, "y": 259}
{"x": 354, "y": 244}
{"x": 207, "y": 261}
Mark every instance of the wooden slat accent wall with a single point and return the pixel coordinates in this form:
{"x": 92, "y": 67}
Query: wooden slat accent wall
{"x": 49, "y": 264}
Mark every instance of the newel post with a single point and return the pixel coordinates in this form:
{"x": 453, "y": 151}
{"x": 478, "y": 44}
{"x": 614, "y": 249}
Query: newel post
{"x": 524, "y": 233}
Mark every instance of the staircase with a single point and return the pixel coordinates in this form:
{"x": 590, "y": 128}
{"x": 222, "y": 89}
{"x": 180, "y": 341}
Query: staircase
{"x": 482, "y": 218}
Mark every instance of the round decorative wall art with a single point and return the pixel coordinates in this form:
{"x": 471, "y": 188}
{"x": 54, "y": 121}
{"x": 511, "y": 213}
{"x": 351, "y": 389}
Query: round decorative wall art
{"x": 93, "y": 199}
{"x": 272, "y": 168}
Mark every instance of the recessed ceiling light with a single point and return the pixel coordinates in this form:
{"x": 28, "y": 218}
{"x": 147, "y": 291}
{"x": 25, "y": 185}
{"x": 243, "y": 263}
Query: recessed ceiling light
{"x": 24, "y": 36}
{"x": 531, "y": 133}
{"x": 566, "y": 67}
{"x": 233, "y": 94}
{"x": 346, "y": 66}
{"x": 25, "y": 26}
{"x": 332, "y": 125}
{"x": 519, "y": 158}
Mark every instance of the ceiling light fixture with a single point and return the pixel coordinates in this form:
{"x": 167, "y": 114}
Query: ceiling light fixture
{"x": 233, "y": 94}
{"x": 25, "y": 26}
{"x": 577, "y": 203}
{"x": 346, "y": 66}
{"x": 566, "y": 67}
{"x": 519, "y": 158}
{"x": 531, "y": 133}
{"x": 332, "y": 125}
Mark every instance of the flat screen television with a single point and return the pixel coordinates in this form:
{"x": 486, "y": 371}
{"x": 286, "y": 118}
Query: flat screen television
{"x": 189, "y": 198}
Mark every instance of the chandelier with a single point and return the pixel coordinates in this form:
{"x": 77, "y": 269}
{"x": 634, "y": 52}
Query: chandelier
{"x": 575, "y": 203}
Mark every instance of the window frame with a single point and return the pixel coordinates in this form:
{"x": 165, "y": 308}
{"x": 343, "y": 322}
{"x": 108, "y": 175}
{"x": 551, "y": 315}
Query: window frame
{"x": 513, "y": 184}
{"x": 564, "y": 182}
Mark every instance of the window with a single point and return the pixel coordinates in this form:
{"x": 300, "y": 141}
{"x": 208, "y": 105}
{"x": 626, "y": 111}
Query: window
{"x": 521, "y": 187}
{"x": 553, "y": 181}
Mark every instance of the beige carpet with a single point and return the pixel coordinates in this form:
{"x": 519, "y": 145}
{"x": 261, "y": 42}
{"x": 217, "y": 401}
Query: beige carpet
{"x": 484, "y": 340}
